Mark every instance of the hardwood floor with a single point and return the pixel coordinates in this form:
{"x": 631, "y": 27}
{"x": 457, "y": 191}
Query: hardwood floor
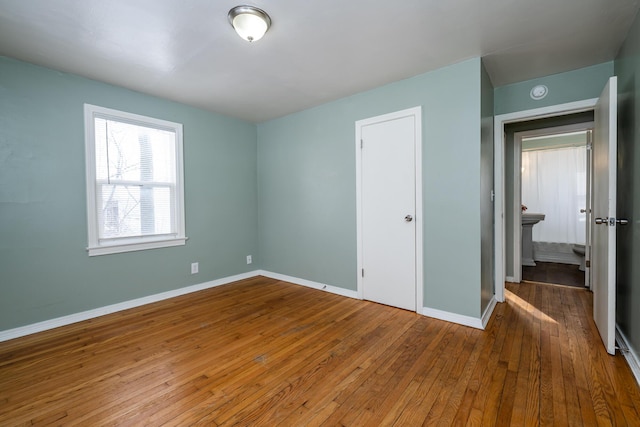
{"x": 262, "y": 352}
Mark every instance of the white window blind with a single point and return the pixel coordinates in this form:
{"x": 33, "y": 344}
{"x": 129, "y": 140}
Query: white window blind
{"x": 134, "y": 182}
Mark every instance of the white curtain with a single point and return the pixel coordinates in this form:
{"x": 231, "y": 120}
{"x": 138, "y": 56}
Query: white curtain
{"x": 554, "y": 183}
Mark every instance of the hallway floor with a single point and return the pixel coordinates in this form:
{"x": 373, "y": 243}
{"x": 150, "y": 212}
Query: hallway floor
{"x": 551, "y": 272}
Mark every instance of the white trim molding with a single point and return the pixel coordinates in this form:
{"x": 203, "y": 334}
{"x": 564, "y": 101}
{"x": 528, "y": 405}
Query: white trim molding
{"x": 486, "y": 316}
{"x": 629, "y": 354}
{"x": 426, "y": 311}
{"x": 310, "y": 284}
{"x": 103, "y": 245}
{"x": 472, "y": 322}
{"x": 113, "y": 308}
{"x": 125, "y": 305}
{"x": 447, "y": 316}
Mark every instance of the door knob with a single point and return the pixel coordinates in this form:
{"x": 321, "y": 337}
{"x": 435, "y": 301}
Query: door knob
{"x": 408, "y": 218}
{"x": 611, "y": 221}
{"x": 583, "y": 211}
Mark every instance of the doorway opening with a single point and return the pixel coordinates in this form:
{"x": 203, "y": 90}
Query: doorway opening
{"x": 507, "y": 206}
{"x": 552, "y": 196}
{"x": 556, "y": 135}
{"x": 603, "y": 225}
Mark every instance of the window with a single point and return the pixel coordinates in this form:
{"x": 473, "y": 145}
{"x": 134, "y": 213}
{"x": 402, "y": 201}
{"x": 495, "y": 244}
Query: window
{"x": 134, "y": 182}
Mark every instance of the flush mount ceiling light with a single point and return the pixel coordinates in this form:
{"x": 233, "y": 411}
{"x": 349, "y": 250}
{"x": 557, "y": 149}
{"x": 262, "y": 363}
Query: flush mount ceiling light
{"x": 249, "y": 22}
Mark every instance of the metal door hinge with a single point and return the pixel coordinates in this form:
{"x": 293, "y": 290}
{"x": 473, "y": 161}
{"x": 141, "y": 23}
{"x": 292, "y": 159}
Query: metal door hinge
{"x": 587, "y": 263}
{"x": 361, "y": 143}
{"x": 363, "y": 272}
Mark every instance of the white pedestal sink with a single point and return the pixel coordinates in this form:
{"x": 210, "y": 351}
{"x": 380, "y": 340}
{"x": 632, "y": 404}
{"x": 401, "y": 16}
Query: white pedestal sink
{"x": 528, "y": 221}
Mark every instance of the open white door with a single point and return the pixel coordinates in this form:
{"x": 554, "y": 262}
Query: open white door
{"x": 603, "y": 256}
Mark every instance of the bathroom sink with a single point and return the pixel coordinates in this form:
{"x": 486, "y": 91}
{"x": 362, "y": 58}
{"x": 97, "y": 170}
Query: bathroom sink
{"x": 528, "y": 221}
{"x": 532, "y": 218}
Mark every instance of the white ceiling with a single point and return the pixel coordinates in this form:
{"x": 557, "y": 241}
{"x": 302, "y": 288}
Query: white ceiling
{"x": 316, "y": 50}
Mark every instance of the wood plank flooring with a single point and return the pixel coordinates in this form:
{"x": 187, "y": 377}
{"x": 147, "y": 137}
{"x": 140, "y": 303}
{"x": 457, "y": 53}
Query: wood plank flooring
{"x": 262, "y": 352}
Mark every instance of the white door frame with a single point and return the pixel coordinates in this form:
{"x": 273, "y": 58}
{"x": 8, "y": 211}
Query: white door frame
{"x": 416, "y": 113}
{"x": 499, "y": 149}
{"x": 517, "y": 210}
{"x": 589, "y": 211}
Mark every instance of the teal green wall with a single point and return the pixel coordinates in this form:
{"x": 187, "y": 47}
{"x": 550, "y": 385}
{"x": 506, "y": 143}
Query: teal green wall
{"x": 627, "y": 68}
{"x": 576, "y": 85}
{"x": 44, "y": 268}
{"x": 487, "y": 249}
{"x": 307, "y": 194}
{"x": 282, "y": 191}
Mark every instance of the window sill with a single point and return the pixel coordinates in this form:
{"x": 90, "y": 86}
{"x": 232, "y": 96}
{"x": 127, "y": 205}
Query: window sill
{"x": 116, "y": 248}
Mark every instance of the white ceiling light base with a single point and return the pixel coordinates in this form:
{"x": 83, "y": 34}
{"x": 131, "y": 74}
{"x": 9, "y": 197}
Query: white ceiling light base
{"x": 249, "y": 22}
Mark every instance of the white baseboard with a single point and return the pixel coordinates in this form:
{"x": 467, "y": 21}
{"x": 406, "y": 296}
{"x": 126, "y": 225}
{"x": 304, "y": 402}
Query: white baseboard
{"x": 486, "y": 316}
{"x": 510, "y": 279}
{"x": 472, "y": 322}
{"x": 430, "y": 312}
{"x": 310, "y": 284}
{"x": 101, "y": 311}
{"x": 629, "y": 354}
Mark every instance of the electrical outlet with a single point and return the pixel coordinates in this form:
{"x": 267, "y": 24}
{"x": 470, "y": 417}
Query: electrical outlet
{"x": 249, "y": 259}
{"x": 194, "y": 268}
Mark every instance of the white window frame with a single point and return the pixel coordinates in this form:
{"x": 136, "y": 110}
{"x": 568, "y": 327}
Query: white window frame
{"x": 96, "y": 246}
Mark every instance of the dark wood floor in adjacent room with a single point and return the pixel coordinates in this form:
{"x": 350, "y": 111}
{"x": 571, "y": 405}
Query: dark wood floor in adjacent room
{"x": 262, "y": 352}
{"x": 551, "y": 272}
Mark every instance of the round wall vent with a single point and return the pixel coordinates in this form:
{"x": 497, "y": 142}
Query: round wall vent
{"x": 539, "y": 92}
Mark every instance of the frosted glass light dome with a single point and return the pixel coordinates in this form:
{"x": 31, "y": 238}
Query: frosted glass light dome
{"x": 249, "y": 22}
